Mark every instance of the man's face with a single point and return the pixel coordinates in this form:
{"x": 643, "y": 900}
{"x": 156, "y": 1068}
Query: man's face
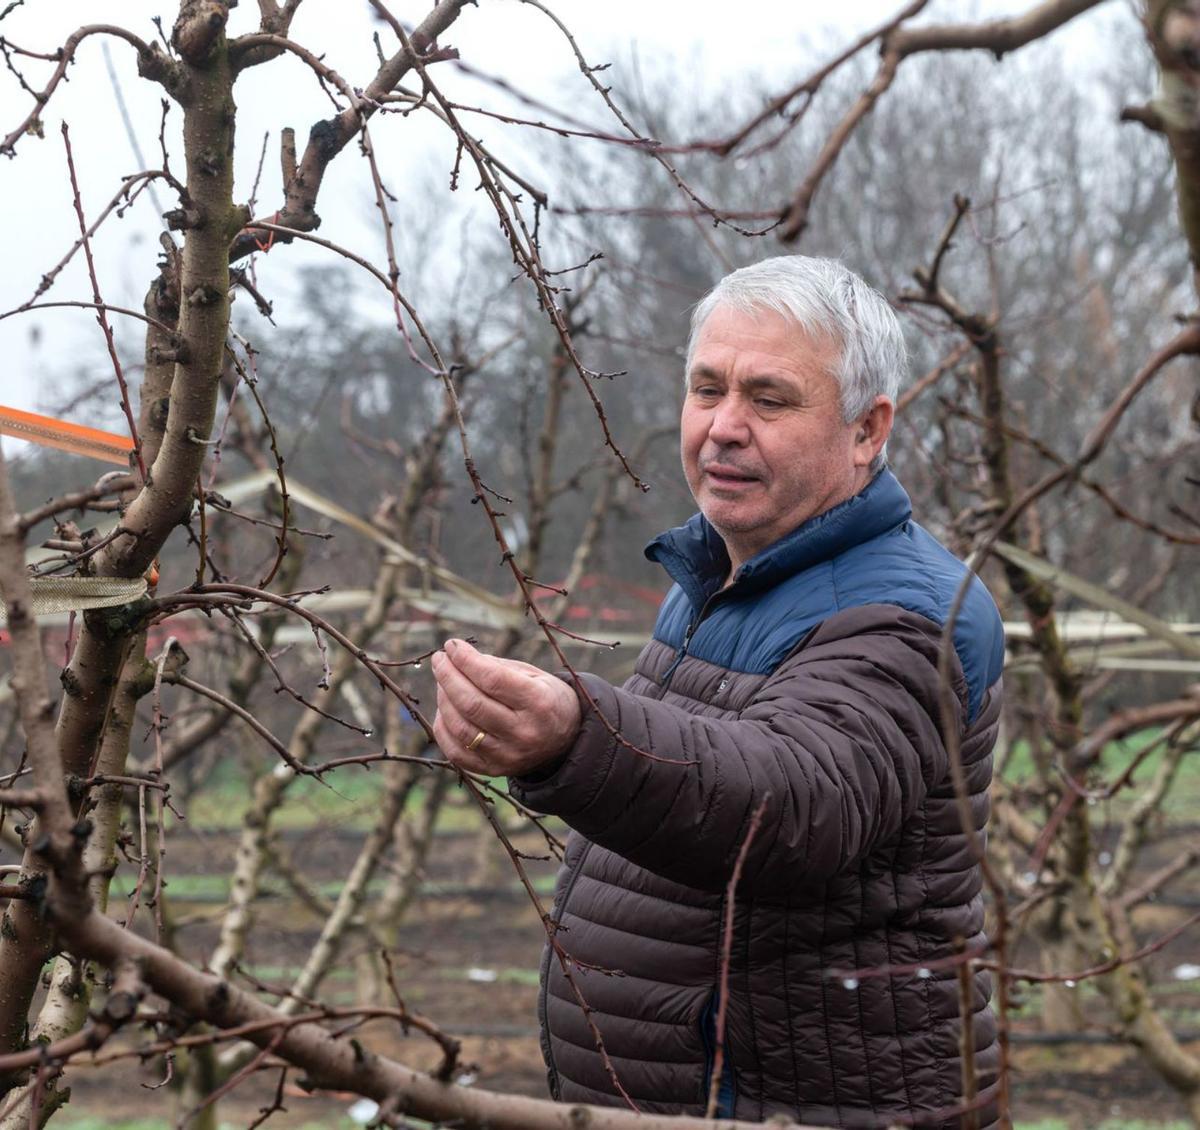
{"x": 762, "y": 437}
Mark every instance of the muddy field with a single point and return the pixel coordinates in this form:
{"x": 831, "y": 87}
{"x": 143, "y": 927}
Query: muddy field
{"x": 468, "y": 960}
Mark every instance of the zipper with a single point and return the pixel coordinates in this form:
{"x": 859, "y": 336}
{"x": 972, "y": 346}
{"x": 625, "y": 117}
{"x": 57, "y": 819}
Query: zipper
{"x": 708, "y": 1039}
{"x": 687, "y": 639}
{"x": 727, "y": 1088}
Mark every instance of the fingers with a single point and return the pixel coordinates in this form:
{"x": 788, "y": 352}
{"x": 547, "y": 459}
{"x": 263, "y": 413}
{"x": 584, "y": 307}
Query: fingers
{"x": 520, "y": 667}
{"x": 474, "y": 706}
{"x": 527, "y": 717}
{"x": 450, "y": 730}
{"x": 509, "y": 682}
{"x": 464, "y": 710}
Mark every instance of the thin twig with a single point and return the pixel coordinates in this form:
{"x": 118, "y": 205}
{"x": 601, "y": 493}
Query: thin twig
{"x": 101, "y": 311}
{"x": 714, "y": 1089}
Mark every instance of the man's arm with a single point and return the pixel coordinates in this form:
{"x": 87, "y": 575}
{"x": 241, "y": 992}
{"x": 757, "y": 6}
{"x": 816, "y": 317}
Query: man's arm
{"x": 844, "y": 738}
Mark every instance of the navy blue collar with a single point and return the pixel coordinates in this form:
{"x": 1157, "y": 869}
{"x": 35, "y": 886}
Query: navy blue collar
{"x": 695, "y": 556}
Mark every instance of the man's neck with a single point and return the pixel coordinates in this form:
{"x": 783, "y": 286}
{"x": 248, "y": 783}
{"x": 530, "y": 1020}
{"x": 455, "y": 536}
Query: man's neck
{"x": 738, "y": 556}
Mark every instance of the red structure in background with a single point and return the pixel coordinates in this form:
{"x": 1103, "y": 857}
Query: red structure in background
{"x": 641, "y": 609}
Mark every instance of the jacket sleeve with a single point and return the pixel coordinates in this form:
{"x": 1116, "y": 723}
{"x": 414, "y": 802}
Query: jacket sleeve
{"x": 844, "y": 739}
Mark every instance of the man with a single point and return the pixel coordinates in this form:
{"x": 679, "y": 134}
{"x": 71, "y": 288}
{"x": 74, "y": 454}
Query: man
{"x": 795, "y": 661}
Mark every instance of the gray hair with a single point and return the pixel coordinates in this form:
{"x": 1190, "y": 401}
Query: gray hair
{"x": 823, "y": 297}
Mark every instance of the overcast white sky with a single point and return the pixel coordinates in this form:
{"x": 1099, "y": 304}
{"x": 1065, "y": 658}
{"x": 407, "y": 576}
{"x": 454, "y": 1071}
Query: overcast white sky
{"x": 721, "y": 43}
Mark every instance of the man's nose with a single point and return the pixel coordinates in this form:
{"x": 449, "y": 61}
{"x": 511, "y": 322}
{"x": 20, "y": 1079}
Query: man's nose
{"x": 729, "y": 425}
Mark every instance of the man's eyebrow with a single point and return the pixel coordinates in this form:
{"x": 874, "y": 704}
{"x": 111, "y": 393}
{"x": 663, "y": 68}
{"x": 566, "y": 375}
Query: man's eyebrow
{"x": 752, "y": 384}
{"x": 755, "y": 384}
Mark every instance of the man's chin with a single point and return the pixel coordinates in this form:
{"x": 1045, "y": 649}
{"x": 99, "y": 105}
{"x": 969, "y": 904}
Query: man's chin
{"x": 727, "y": 517}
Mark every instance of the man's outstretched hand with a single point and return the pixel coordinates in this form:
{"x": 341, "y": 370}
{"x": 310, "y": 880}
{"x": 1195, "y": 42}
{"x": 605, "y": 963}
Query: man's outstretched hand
{"x": 527, "y": 717}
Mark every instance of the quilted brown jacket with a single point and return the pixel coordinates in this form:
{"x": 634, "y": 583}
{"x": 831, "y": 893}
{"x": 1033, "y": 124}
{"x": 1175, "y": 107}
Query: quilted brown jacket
{"x": 810, "y": 680}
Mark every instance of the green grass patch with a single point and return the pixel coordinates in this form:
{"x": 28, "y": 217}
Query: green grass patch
{"x": 1181, "y": 802}
{"x": 349, "y": 798}
{"x": 186, "y": 888}
{"x": 510, "y": 975}
{"x": 94, "y": 1122}
{"x": 214, "y": 888}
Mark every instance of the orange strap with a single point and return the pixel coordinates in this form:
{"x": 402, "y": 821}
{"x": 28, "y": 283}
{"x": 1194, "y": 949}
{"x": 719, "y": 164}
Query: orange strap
{"x": 75, "y": 438}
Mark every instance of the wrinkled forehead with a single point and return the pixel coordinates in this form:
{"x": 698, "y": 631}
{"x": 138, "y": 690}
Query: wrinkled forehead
{"x": 732, "y": 332}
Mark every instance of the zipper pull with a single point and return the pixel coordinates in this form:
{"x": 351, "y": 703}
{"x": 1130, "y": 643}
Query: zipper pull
{"x": 687, "y": 638}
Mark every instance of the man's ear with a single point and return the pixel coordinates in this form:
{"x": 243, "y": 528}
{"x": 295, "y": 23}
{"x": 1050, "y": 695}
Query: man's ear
{"x": 872, "y": 430}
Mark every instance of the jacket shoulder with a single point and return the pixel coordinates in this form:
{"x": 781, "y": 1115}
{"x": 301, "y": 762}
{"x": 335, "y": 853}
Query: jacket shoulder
{"x": 911, "y": 569}
{"x": 906, "y": 568}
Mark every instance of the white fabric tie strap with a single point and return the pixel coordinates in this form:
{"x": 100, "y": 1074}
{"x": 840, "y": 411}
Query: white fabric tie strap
{"x": 76, "y": 594}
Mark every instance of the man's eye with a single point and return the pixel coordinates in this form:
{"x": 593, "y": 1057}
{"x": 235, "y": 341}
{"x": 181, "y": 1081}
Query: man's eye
{"x": 706, "y": 391}
{"x": 766, "y": 402}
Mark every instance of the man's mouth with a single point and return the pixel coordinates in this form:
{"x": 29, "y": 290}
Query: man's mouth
{"x": 723, "y": 476}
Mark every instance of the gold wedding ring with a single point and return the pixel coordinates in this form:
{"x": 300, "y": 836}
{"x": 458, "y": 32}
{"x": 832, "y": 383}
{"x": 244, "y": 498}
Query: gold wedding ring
{"x": 476, "y": 741}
